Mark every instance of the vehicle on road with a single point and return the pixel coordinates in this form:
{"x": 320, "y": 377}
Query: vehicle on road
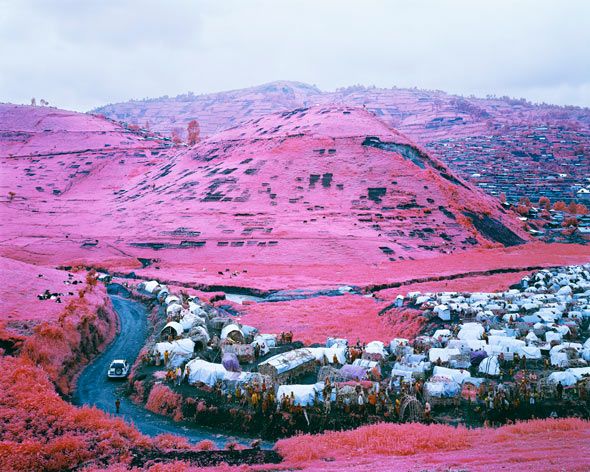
{"x": 119, "y": 369}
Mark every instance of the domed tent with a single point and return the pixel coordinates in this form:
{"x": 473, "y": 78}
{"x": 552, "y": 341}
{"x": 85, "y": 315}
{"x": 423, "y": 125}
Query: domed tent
{"x": 173, "y": 329}
{"x": 200, "y": 337}
{"x": 178, "y": 351}
{"x": 490, "y": 366}
{"x": 233, "y": 332}
{"x": 150, "y": 286}
{"x": 230, "y": 362}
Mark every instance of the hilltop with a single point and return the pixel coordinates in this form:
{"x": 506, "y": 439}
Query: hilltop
{"x": 496, "y": 143}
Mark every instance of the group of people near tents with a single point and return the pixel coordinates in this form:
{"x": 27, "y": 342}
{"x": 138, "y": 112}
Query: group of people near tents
{"x": 503, "y": 355}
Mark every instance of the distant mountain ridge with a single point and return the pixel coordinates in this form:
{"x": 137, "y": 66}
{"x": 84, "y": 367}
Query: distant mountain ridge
{"x": 502, "y": 145}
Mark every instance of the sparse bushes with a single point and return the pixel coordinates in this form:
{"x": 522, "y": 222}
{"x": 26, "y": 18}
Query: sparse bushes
{"x": 205, "y": 445}
{"x": 382, "y": 439}
{"x": 164, "y": 401}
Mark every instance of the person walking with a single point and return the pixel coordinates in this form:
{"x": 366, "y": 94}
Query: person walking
{"x": 178, "y": 375}
{"x": 117, "y": 406}
{"x": 559, "y": 389}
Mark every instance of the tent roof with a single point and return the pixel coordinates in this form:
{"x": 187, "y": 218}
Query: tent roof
{"x": 175, "y": 325}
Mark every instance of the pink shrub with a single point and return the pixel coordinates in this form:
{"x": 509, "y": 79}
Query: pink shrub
{"x": 205, "y": 445}
{"x": 164, "y": 401}
{"x": 381, "y": 439}
{"x": 171, "y": 442}
{"x": 40, "y": 431}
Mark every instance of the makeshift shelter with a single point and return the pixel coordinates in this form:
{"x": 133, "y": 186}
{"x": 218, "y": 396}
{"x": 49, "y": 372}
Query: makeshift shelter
{"x": 171, "y": 300}
{"x": 189, "y": 319}
{"x": 327, "y": 355}
{"x": 249, "y": 332}
{"x": 567, "y": 379}
{"x": 244, "y": 352}
{"x": 288, "y": 364}
{"x": 442, "y": 334}
{"x": 265, "y": 342}
{"x": 231, "y": 380}
{"x": 467, "y": 345}
{"x": 443, "y": 312}
{"x": 365, "y": 363}
{"x": 173, "y": 310}
{"x": 178, "y": 351}
{"x": 337, "y": 342}
{"x": 200, "y": 337}
{"x": 441, "y": 387}
{"x": 173, "y": 329}
{"x": 375, "y": 350}
{"x": 352, "y": 372}
{"x": 329, "y": 372}
{"x": 233, "y": 333}
{"x": 490, "y": 366}
{"x": 302, "y": 395}
{"x": 476, "y": 357}
{"x": 218, "y": 322}
{"x": 204, "y": 372}
{"x": 580, "y": 372}
{"x": 458, "y": 375}
{"x": 150, "y": 286}
{"x": 230, "y": 362}
{"x": 470, "y": 331}
{"x": 444, "y": 354}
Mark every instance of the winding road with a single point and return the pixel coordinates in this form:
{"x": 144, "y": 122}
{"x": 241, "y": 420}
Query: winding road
{"x": 94, "y": 389}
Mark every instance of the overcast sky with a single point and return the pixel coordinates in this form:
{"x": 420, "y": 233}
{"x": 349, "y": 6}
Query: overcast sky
{"x": 80, "y": 54}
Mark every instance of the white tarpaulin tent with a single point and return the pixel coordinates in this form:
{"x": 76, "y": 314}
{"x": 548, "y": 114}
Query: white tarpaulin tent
{"x": 396, "y": 342}
{"x": 365, "y": 363}
{"x": 579, "y": 372}
{"x": 442, "y": 387}
{"x": 336, "y": 342}
{"x": 233, "y": 332}
{"x": 197, "y": 309}
{"x": 189, "y": 320}
{"x": 173, "y": 310}
{"x": 442, "y": 334}
{"x": 174, "y": 328}
{"x": 204, "y": 372}
{"x": 531, "y": 352}
{"x": 265, "y": 341}
{"x": 304, "y": 395}
{"x": 326, "y": 354}
{"x": 150, "y": 286}
{"x": 436, "y": 353}
{"x": 288, "y": 360}
{"x": 172, "y": 299}
{"x": 443, "y": 312}
{"x": 457, "y": 375}
{"x": 467, "y": 345}
{"x": 471, "y": 331}
{"x": 490, "y": 366}
{"x": 178, "y": 351}
{"x": 567, "y": 379}
{"x": 376, "y": 347}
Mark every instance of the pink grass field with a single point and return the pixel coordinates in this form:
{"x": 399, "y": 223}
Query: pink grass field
{"x": 348, "y": 316}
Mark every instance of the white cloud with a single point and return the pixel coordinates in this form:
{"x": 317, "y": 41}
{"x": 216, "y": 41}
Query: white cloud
{"x": 83, "y": 54}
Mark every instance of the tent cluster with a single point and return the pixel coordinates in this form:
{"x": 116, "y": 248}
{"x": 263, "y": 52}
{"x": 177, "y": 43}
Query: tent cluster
{"x": 476, "y": 341}
{"x": 537, "y": 322}
{"x": 195, "y": 329}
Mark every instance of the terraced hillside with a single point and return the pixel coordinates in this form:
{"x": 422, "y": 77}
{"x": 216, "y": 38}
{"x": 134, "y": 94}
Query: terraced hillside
{"x": 497, "y": 143}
